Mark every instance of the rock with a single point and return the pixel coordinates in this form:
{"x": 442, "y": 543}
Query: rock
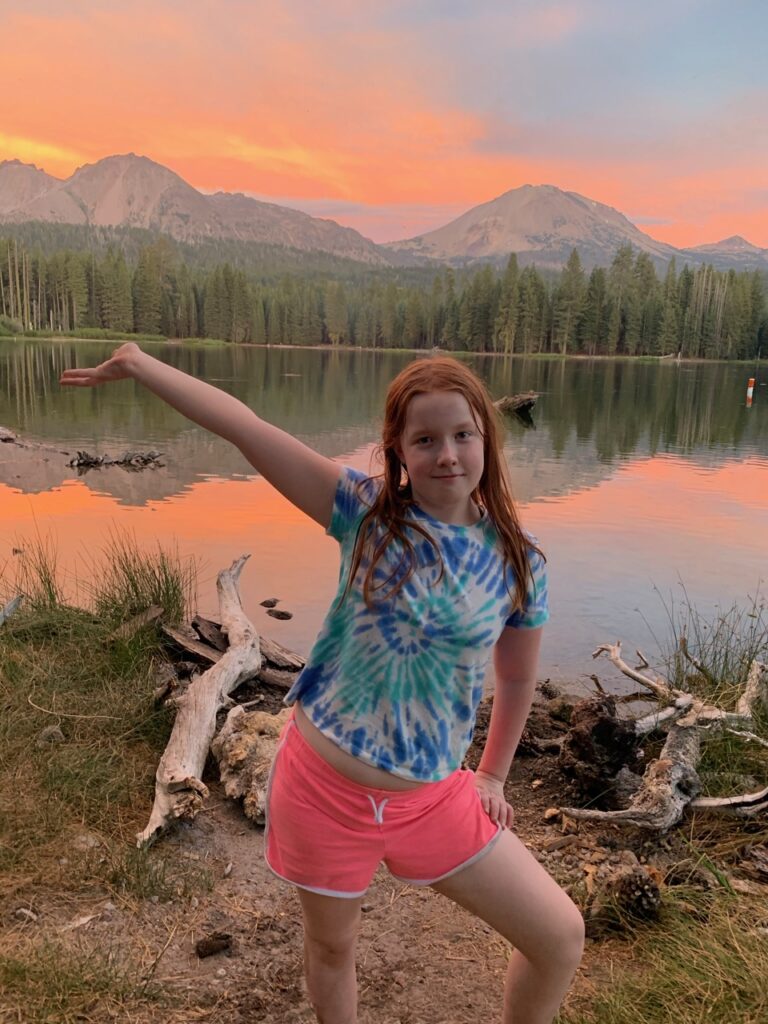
{"x": 216, "y": 942}
{"x": 50, "y": 734}
{"x": 278, "y": 613}
{"x": 85, "y": 841}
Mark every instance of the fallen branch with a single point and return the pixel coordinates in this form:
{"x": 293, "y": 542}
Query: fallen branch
{"x": 658, "y": 686}
{"x": 179, "y": 790}
{"x": 671, "y": 782}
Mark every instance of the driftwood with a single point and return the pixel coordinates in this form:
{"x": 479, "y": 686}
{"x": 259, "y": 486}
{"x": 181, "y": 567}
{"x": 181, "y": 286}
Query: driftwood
{"x": 132, "y": 626}
{"x": 179, "y": 789}
{"x": 520, "y": 405}
{"x": 83, "y": 461}
{"x": 517, "y": 403}
{"x": 207, "y": 641}
{"x": 671, "y": 783}
{"x": 245, "y": 748}
{"x": 7, "y": 611}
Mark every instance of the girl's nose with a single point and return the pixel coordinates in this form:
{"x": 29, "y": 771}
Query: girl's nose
{"x": 447, "y": 454}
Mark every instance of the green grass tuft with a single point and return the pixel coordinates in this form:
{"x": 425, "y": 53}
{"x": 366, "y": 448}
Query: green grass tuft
{"x": 724, "y": 647}
{"x": 133, "y": 580}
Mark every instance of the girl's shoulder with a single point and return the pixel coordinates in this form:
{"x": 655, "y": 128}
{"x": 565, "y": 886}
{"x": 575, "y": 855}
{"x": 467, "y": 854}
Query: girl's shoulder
{"x": 356, "y": 492}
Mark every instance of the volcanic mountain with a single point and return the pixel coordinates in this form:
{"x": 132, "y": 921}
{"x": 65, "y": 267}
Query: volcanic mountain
{"x": 540, "y": 223}
{"x": 134, "y": 191}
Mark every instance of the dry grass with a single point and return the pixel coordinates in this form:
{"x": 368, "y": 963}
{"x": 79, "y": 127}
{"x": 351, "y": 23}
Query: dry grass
{"x": 55, "y": 983}
{"x": 706, "y": 960}
{"x": 71, "y": 804}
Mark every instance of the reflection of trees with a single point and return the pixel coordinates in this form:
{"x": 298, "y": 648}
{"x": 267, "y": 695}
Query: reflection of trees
{"x": 616, "y": 407}
{"x": 625, "y": 406}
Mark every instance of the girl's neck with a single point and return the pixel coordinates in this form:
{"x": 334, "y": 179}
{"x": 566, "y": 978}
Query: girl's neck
{"x": 459, "y": 514}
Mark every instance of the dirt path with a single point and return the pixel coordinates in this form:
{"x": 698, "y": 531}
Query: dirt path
{"x": 421, "y": 960}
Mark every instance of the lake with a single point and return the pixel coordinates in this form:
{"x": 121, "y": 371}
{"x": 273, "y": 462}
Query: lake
{"x": 638, "y": 479}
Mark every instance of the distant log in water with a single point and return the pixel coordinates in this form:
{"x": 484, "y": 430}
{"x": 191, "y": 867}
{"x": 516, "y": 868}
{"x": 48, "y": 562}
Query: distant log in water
{"x": 84, "y": 461}
{"x": 521, "y": 405}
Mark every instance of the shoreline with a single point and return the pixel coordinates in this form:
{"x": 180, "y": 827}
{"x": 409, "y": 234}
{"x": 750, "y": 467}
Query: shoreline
{"x": 436, "y": 350}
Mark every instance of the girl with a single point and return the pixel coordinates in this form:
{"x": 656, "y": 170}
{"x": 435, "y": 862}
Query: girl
{"x": 436, "y": 575}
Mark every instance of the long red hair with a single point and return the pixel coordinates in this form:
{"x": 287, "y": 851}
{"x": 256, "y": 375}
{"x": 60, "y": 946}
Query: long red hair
{"x": 389, "y": 509}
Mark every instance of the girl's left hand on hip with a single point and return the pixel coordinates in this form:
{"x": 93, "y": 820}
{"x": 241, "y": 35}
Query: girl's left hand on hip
{"x": 493, "y": 800}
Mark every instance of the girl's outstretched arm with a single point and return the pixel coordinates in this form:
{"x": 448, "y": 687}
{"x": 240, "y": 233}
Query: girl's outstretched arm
{"x": 516, "y": 657}
{"x": 306, "y": 478}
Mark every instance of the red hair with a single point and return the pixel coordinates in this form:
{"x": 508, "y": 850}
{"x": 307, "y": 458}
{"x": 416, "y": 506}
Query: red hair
{"x": 493, "y": 492}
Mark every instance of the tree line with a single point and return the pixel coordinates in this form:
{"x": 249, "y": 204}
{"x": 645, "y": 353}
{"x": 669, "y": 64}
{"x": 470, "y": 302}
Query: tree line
{"x": 624, "y": 309}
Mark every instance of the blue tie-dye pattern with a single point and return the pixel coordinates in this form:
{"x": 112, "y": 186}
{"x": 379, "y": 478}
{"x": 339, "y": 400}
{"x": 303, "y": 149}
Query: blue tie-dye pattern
{"x": 399, "y": 687}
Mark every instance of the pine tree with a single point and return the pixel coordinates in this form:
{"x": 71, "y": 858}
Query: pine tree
{"x": 505, "y": 327}
{"x": 568, "y": 301}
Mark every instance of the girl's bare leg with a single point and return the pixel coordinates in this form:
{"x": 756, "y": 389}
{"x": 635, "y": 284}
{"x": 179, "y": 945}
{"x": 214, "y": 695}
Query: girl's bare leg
{"x": 511, "y": 891}
{"x": 331, "y": 927}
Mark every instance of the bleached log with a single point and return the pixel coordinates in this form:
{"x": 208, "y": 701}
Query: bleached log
{"x": 671, "y": 782}
{"x": 668, "y": 785}
{"x": 756, "y": 690}
{"x": 654, "y": 721}
{"x": 179, "y": 790}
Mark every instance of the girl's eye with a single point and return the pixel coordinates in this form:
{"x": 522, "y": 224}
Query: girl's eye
{"x": 423, "y": 440}
{"x": 463, "y": 434}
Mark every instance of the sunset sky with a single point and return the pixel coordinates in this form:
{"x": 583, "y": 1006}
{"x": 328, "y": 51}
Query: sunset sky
{"x": 394, "y": 117}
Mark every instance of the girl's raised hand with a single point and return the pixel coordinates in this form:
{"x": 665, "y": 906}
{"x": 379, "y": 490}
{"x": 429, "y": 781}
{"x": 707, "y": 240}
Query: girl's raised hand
{"x": 115, "y": 368}
{"x": 493, "y": 800}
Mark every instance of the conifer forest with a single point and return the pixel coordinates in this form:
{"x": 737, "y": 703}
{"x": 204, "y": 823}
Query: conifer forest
{"x": 155, "y": 288}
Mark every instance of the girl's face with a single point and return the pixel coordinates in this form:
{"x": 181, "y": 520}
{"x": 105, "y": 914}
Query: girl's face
{"x": 442, "y": 450}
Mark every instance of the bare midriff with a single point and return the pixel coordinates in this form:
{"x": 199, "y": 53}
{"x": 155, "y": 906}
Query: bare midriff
{"x": 346, "y": 764}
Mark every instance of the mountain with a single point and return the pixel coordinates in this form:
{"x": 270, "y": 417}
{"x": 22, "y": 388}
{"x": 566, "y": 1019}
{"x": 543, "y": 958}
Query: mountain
{"x": 133, "y": 191}
{"x": 542, "y": 224}
{"x": 21, "y": 184}
{"x": 731, "y": 253}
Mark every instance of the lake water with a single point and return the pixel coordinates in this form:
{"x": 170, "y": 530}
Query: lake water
{"x": 637, "y": 479}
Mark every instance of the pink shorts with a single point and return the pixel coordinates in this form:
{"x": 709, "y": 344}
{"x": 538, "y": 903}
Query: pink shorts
{"x": 328, "y": 834}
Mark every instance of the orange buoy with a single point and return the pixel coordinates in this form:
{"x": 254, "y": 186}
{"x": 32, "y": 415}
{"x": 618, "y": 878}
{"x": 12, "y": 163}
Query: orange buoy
{"x": 750, "y": 390}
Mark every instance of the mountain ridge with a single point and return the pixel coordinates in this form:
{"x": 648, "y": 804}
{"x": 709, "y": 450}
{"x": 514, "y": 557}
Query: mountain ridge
{"x": 542, "y": 224}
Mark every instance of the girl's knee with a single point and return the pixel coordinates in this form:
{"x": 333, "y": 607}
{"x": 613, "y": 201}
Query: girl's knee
{"x": 573, "y": 935}
{"x": 332, "y": 950}
{"x": 558, "y": 944}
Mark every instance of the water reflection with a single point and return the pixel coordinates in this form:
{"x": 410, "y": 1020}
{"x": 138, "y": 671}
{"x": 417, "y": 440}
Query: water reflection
{"x": 635, "y": 476}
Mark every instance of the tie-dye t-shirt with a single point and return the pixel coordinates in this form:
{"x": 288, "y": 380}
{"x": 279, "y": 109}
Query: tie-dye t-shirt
{"x": 398, "y": 686}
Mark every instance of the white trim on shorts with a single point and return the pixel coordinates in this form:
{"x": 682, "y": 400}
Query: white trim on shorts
{"x": 460, "y": 867}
